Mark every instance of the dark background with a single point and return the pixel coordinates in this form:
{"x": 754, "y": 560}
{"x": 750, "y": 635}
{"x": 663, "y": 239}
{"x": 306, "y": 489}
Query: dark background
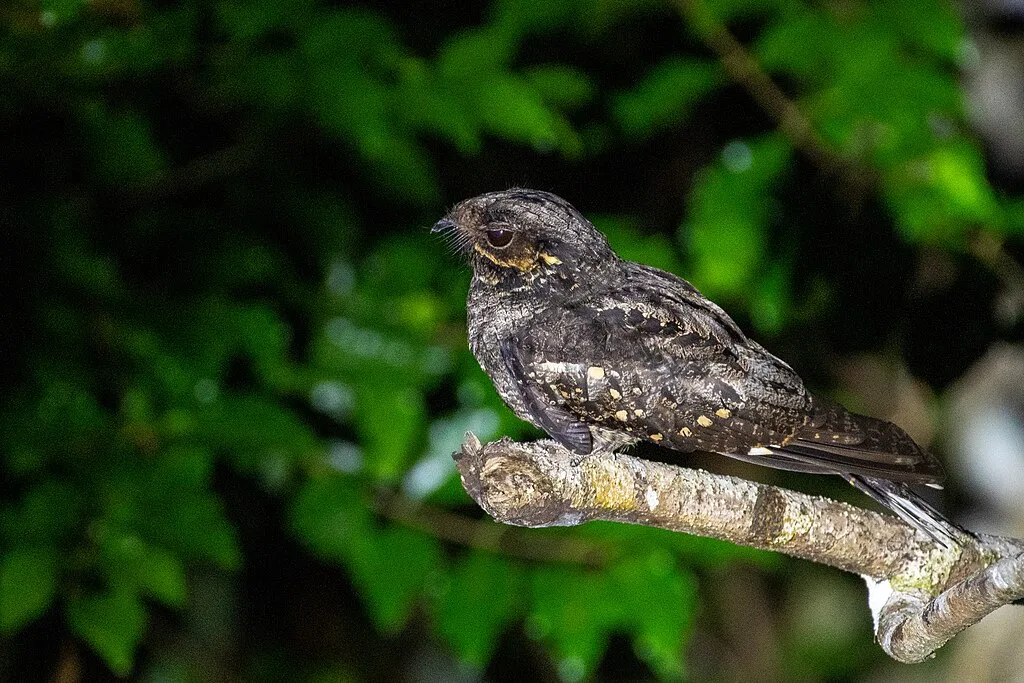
{"x": 234, "y": 358}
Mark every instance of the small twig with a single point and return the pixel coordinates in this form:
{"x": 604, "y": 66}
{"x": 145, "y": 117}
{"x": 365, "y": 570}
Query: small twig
{"x": 484, "y": 534}
{"x": 924, "y": 593}
{"x": 69, "y": 666}
{"x": 745, "y": 71}
{"x": 194, "y": 174}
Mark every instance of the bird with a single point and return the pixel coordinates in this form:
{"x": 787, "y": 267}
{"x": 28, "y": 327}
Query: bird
{"x": 602, "y": 353}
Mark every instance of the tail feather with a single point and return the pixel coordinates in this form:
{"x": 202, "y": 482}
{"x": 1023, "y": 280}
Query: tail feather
{"x": 911, "y": 508}
{"x": 878, "y": 458}
{"x": 875, "y": 456}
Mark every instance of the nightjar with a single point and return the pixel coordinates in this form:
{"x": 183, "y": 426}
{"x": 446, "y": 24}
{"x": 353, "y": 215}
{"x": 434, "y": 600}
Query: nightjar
{"x": 600, "y": 353}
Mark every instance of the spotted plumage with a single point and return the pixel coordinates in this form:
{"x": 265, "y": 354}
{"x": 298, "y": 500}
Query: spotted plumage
{"x": 601, "y": 353}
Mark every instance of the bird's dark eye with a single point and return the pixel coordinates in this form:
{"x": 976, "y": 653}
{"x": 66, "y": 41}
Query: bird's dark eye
{"x": 499, "y": 239}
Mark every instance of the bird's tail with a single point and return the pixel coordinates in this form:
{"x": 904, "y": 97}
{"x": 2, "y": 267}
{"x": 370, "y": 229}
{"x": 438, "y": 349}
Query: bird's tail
{"x": 911, "y": 508}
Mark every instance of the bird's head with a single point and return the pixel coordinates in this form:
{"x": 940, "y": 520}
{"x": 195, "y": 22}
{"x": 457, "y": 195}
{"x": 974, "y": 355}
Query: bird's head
{"x": 516, "y": 232}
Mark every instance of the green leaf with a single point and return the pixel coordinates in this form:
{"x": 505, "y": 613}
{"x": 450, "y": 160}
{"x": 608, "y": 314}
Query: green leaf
{"x": 403, "y": 170}
{"x": 658, "y": 601}
{"x": 113, "y": 624}
{"x": 520, "y": 18}
{"x": 265, "y": 337}
{"x": 182, "y": 466}
{"x": 958, "y": 173}
{"x": 389, "y": 566}
{"x": 397, "y": 267}
{"x": 466, "y": 56}
{"x": 368, "y": 112}
{"x": 191, "y": 523}
{"x": 644, "y": 595}
{"x": 356, "y": 37}
{"x": 64, "y": 412}
{"x": 730, "y": 209}
{"x": 770, "y": 303}
{"x": 79, "y": 264}
{"x": 352, "y": 105}
{"x": 28, "y": 584}
{"x": 151, "y": 569}
{"x": 935, "y": 26}
{"x": 248, "y": 22}
{"x": 436, "y": 467}
{"x": 732, "y": 10}
{"x": 433, "y": 106}
{"x": 799, "y": 43}
{"x": 261, "y": 433}
{"x": 125, "y": 150}
{"x": 571, "y": 610}
{"x": 631, "y": 244}
{"x": 665, "y": 96}
{"x": 390, "y": 421}
{"x": 939, "y": 197}
{"x": 727, "y": 253}
{"x": 482, "y": 594}
{"x": 825, "y": 630}
{"x": 272, "y": 81}
{"x": 390, "y": 569}
{"x": 55, "y": 12}
{"x": 1014, "y": 209}
{"x": 46, "y": 514}
{"x": 512, "y": 109}
{"x": 166, "y": 38}
{"x": 330, "y": 516}
{"x": 366, "y": 355}
{"x": 561, "y": 86}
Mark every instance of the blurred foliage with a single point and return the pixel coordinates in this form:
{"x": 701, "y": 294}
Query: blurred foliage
{"x": 228, "y": 323}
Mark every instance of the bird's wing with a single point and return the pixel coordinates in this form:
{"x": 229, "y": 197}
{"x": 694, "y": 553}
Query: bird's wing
{"x": 634, "y": 368}
{"x": 657, "y": 361}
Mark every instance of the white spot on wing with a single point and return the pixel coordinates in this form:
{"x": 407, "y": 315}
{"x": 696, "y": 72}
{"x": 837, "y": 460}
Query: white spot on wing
{"x": 597, "y": 381}
{"x": 760, "y": 450}
{"x": 560, "y": 368}
{"x": 652, "y": 498}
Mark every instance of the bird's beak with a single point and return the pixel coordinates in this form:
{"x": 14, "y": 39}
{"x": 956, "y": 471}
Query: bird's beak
{"x": 444, "y": 225}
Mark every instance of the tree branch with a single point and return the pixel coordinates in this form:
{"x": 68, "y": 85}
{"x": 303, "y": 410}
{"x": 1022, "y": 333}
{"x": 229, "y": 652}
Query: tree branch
{"x": 921, "y": 593}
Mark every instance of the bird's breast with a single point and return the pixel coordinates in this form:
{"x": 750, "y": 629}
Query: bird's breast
{"x": 492, "y": 317}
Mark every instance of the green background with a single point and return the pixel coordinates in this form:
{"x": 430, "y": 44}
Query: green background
{"x": 234, "y": 358}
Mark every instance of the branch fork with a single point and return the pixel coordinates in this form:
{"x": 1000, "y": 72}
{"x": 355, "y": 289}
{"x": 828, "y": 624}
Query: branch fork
{"x": 921, "y": 593}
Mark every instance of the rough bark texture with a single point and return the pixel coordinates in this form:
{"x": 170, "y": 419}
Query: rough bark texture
{"x": 921, "y": 593}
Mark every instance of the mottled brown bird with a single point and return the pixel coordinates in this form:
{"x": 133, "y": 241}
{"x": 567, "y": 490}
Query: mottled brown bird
{"x": 601, "y": 353}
